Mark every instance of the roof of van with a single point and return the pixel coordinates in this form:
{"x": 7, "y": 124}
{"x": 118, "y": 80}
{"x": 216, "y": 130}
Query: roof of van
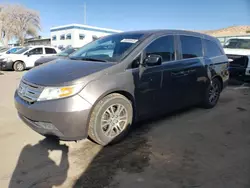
{"x": 180, "y": 32}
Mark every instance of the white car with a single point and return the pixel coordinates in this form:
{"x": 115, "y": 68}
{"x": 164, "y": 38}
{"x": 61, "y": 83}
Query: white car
{"x": 26, "y": 57}
{"x": 238, "y": 51}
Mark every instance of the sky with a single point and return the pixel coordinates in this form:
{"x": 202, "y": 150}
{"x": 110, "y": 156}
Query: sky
{"x": 141, "y": 14}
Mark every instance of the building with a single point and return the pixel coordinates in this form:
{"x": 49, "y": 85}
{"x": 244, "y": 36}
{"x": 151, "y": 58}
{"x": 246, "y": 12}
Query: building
{"x": 225, "y": 33}
{"x": 77, "y": 35}
{"x": 37, "y": 41}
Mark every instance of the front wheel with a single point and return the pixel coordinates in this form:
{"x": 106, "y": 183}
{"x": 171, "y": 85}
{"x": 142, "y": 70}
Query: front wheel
{"x": 110, "y": 119}
{"x": 212, "y": 93}
{"x": 19, "y": 66}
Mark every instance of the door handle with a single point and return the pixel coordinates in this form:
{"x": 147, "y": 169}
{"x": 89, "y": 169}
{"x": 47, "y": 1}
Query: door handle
{"x": 178, "y": 74}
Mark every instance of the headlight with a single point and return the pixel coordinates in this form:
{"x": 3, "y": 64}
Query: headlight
{"x": 50, "y": 93}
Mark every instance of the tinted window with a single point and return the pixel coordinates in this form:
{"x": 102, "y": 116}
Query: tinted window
{"x": 54, "y": 37}
{"x": 81, "y": 36}
{"x": 191, "y": 47}
{"x": 50, "y": 51}
{"x": 62, "y": 37}
{"x": 212, "y": 49}
{"x": 36, "y": 51}
{"x": 163, "y": 46}
{"x": 68, "y": 36}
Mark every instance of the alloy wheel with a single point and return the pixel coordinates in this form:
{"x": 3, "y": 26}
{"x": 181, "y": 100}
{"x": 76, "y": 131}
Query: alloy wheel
{"x": 114, "y": 120}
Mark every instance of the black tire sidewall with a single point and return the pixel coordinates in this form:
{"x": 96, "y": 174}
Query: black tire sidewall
{"x": 15, "y": 66}
{"x": 97, "y": 119}
{"x": 207, "y": 103}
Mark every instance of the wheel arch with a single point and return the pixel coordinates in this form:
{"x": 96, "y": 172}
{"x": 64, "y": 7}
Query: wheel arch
{"x": 17, "y": 61}
{"x": 220, "y": 79}
{"x": 125, "y": 93}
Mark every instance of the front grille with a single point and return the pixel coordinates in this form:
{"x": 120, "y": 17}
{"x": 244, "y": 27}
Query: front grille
{"x": 238, "y": 61}
{"x": 29, "y": 92}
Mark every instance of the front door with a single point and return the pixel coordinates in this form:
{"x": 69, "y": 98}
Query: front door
{"x": 150, "y": 97}
{"x": 32, "y": 56}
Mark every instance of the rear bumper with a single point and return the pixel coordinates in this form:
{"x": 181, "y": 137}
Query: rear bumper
{"x": 66, "y": 118}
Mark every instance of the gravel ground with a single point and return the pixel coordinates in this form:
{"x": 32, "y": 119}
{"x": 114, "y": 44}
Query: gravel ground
{"x": 189, "y": 148}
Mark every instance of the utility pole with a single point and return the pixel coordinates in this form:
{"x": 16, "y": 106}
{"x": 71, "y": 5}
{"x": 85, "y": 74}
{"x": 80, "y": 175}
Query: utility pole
{"x": 85, "y": 13}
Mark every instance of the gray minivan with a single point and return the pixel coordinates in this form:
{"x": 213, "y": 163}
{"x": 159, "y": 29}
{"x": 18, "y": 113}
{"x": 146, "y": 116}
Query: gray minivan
{"x": 114, "y": 81}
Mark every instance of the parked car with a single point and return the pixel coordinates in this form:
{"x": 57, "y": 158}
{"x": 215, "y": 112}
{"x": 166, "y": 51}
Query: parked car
{"x": 238, "y": 52}
{"x": 26, "y": 57}
{"x": 144, "y": 74}
{"x": 62, "y": 55}
{"x": 9, "y": 50}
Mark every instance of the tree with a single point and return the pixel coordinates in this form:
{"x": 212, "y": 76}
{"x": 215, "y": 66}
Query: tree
{"x": 19, "y": 22}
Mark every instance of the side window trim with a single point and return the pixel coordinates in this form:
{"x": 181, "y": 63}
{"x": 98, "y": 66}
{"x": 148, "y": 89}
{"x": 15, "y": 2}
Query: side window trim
{"x": 180, "y": 47}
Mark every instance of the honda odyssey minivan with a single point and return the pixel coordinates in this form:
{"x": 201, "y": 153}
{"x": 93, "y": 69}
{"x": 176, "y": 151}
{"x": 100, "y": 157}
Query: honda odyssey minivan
{"x": 114, "y": 81}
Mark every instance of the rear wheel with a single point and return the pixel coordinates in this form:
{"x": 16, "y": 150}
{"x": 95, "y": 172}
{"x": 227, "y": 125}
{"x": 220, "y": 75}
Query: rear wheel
{"x": 212, "y": 94}
{"x": 110, "y": 119}
{"x": 19, "y": 66}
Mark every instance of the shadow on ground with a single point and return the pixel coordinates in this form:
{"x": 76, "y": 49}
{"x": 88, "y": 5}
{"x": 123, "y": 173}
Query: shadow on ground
{"x": 131, "y": 155}
{"x": 35, "y": 169}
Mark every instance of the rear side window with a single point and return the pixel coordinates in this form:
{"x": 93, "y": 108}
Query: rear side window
{"x": 36, "y": 51}
{"x": 163, "y": 46}
{"x": 50, "y": 51}
{"x": 212, "y": 49}
{"x": 191, "y": 47}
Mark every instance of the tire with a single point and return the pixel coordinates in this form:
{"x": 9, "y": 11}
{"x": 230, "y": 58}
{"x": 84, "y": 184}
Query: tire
{"x": 19, "y": 66}
{"x": 215, "y": 86}
{"x": 103, "y": 124}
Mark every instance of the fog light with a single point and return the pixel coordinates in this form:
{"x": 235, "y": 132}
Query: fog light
{"x": 45, "y": 125}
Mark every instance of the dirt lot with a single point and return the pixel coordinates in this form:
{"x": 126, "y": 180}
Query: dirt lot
{"x": 186, "y": 149}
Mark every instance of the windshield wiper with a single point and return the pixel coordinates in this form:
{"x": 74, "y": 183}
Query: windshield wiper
{"x": 88, "y": 59}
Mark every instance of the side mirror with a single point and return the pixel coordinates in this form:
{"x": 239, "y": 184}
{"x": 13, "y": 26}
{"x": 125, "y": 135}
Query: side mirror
{"x": 152, "y": 60}
{"x": 28, "y": 54}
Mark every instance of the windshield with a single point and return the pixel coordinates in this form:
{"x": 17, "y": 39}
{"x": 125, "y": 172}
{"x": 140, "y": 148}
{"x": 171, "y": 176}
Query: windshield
{"x": 110, "y": 48}
{"x": 13, "y": 50}
{"x": 22, "y": 50}
{"x": 238, "y": 43}
{"x": 67, "y": 52}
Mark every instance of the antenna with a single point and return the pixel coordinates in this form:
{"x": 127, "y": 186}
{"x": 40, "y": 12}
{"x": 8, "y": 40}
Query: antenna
{"x": 85, "y": 13}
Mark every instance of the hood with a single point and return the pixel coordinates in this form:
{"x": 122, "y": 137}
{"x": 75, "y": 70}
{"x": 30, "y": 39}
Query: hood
{"x": 233, "y": 51}
{"x": 63, "y": 72}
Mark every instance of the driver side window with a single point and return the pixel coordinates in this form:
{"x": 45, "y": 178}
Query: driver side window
{"x": 163, "y": 46}
{"x": 36, "y": 51}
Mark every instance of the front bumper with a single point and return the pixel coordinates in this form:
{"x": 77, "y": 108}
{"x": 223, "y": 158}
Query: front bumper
{"x": 237, "y": 71}
{"x": 65, "y": 118}
{"x": 6, "y": 65}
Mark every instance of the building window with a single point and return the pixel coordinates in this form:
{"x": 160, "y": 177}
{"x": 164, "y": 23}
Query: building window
{"x": 54, "y": 37}
{"x": 68, "y": 36}
{"x": 81, "y": 36}
{"x": 94, "y": 37}
{"x": 62, "y": 37}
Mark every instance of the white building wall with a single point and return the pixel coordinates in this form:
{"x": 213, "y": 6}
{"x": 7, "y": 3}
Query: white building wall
{"x": 75, "y": 30}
